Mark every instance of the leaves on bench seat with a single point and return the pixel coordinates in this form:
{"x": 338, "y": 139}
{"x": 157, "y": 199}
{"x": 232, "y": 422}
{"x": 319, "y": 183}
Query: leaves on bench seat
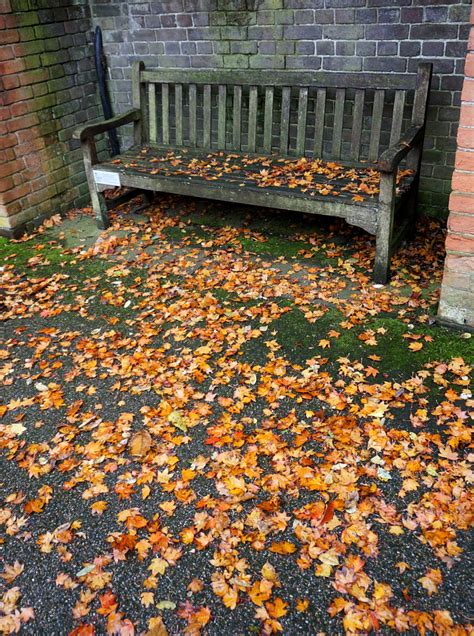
{"x": 302, "y": 175}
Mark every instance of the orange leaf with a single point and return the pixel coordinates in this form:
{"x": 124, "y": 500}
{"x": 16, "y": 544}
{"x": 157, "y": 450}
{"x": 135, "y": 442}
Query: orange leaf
{"x": 283, "y": 547}
{"x": 140, "y": 443}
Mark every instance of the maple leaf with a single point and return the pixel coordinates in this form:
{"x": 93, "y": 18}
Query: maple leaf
{"x": 431, "y": 580}
{"x": 277, "y": 608}
{"x": 415, "y": 346}
{"x": 10, "y": 572}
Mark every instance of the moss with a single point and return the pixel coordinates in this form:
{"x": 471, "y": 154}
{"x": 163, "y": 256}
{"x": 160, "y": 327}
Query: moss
{"x": 300, "y": 338}
{"x": 190, "y": 234}
{"x": 19, "y": 254}
{"x": 275, "y": 246}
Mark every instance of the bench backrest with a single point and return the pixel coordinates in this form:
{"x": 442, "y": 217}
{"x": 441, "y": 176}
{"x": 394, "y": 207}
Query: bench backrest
{"x": 348, "y": 116}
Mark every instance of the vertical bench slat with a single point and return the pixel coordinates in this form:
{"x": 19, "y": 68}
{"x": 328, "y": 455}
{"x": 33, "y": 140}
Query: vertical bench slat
{"x": 206, "y": 141}
{"x": 221, "y": 116}
{"x": 338, "y": 122}
{"x": 268, "y": 119}
{"x": 377, "y": 113}
{"x": 319, "y": 114}
{"x": 237, "y": 117}
{"x": 192, "y": 115}
{"x": 165, "y": 109}
{"x": 397, "y": 117}
{"x": 152, "y": 112}
{"x": 178, "y": 113}
{"x": 138, "y": 101}
{"x": 285, "y": 119}
{"x": 301, "y": 126}
{"x": 253, "y": 94}
{"x": 357, "y": 118}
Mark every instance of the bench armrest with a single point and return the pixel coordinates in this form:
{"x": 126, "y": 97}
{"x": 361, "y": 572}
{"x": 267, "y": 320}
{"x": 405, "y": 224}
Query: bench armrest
{"x": 90, "y": 130}
{"x": 389, "y": 160}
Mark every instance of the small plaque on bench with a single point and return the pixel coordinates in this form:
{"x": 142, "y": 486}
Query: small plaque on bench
{"x": 102, "y": 177}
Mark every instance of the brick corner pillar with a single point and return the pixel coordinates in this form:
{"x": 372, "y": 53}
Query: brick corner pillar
{"x": 47, "y": 88}
{"x": 457, "y": 291}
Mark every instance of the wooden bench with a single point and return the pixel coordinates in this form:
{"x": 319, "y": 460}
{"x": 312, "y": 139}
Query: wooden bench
{"x": 323, "y": 143}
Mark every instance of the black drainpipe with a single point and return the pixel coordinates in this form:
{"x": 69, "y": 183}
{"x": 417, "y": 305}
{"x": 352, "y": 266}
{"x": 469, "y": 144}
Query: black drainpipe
{"x": 101, "y": 70}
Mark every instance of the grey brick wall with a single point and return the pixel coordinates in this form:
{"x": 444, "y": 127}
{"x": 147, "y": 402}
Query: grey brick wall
{"x": 332, "y": 35}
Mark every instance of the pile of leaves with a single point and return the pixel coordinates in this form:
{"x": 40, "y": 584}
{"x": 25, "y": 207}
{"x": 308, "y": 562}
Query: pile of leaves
{"x": 199, "y": 436}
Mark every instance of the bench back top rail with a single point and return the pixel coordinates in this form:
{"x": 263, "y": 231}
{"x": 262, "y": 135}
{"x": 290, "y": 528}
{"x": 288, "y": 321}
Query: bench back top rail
{"x": 350, "y": 116}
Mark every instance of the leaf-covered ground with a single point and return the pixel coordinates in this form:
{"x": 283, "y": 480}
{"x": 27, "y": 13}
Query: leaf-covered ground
{"x": 214, "y": 422}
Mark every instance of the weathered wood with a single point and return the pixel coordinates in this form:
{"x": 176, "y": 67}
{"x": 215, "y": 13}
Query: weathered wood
{"x": 252, "y": 138}
{"x": 206, "y": 142}
{"x": 357, "y": 118}
{"x": 165, "y": 113}
{"x": 152, "y": 124}
{"x": 375, "y": 216}
{"x": 90, "y": 130}
{"x": 178, "y": 113}
{"x": 138, "y": 102}
{"x": 383, "y": 238}
{"x": 249, "y": 195}
{"x": 192, "y": 114}
{"x": 297, "y": 78}
{"x": 221, "y": 117}
{"x": 377, "y": 113}
{"x": 422, "y": 90}
{"x": 338, "y": 122}
{"x": 285, "y": 119}
{"x": 268, "y": 119}
{"x": 97, "y": 199}
{"x": 320, "y": 113}
{"x": 301, "y": 125}
{"x": 237, "y": 118}
{"x": 390, "y": 159}
{"x": 397, "y": 116}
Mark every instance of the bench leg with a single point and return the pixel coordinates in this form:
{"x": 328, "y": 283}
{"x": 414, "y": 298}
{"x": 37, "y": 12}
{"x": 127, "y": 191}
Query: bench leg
{"x": 97, "y": 199}
{"x": 147, "y": 197}
{"x": 100, "y": 208}
{"x": 384, "y": 227}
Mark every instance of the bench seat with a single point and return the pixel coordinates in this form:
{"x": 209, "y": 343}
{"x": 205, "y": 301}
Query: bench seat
{"x": 269, "y": 181}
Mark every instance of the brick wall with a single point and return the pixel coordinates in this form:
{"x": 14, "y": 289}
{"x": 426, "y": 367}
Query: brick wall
{"x": 47, "y": 88}
{"x": 331, "y": 35}
{"x": 457, "y": 292}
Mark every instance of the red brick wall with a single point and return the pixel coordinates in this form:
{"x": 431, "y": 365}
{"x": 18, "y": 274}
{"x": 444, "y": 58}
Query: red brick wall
{"x": 47, "y": 88}
{"x": 457, "y": 292}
